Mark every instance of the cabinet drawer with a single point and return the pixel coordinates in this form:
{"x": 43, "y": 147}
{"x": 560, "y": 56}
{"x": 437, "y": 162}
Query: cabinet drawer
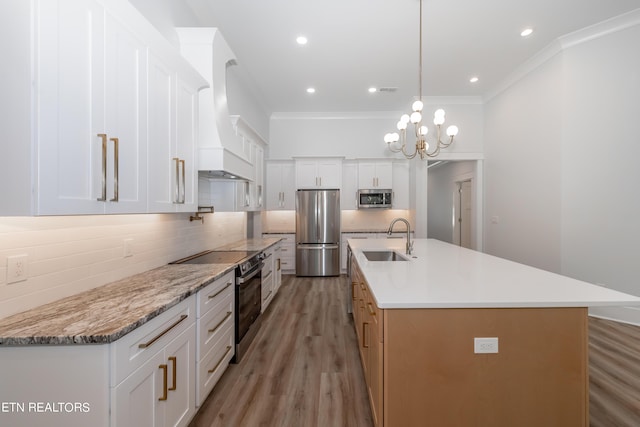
{"x": 134, "y": 349}
{"x": 267, "y": 266}
{"x": 287, "y": 264}
{"x": 215, "y": 321}
{"x": 212, "y": 366}
{"x": 210, "y": 295}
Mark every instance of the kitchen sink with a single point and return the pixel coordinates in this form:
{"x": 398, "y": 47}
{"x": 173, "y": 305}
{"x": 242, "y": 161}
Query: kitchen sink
{"x": 383, "y": 256}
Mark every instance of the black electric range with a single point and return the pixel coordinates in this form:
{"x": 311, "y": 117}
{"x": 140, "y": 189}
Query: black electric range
{"x": 248, "y": 291}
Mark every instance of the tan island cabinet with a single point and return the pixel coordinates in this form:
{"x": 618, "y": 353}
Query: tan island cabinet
{"x": 421, "y": 368}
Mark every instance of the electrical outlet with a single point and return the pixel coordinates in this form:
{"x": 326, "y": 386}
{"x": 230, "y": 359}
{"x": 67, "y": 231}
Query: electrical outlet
{"x": 17, "y": 268}
{"x": 485, "y": 345}
{"x": 128, "y": 247}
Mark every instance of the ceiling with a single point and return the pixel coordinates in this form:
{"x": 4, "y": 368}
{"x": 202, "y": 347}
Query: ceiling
{"x": 356, "y": 44}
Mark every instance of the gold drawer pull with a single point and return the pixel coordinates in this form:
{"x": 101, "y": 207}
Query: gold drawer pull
{"x": 221, "y": 322}
{"x": 164, "y": 382}
{"x": 364, "y": 334}
{"x": 371, "y": 310}
{"x": 211, "y": 371}
{"x": 174, "y": 363}
{"x": 150, "y": 342}
{"x": 220, "y": 291}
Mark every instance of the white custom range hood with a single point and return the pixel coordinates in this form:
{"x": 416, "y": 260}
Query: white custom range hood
{"x": 222, "y": 153}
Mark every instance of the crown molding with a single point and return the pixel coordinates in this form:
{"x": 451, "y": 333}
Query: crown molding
{"x": 592, "y": 32}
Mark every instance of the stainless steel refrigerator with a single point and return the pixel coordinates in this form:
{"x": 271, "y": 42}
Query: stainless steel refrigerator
{"x": 318, "y": 233}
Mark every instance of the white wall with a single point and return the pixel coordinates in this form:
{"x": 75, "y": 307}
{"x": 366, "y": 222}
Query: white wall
{"x": 523, "y": 140}
{"x": 562, "y": 149}
{"x": 67, "y": 255}
{"x": 600, "y": 161}
{"x": 361, "y": 135}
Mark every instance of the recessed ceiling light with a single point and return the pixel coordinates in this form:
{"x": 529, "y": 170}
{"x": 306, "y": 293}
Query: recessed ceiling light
{"x": 311, "y": 90}
{"x": 473, "y": 79}
{"x": 526, "y": 32}
{"x": 373, "y": 90}
{"x": 301, "y": 40}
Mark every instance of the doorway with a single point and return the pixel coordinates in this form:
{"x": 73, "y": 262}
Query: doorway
{"x": 454, "y": 205}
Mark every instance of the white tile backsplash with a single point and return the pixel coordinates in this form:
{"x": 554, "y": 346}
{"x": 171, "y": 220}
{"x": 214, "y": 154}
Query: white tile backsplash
{"x": 68, "y": 255}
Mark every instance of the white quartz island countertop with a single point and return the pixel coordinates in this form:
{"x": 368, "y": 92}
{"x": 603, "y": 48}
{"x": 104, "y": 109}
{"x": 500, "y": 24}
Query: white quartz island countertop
{"x": 441, "y": 275}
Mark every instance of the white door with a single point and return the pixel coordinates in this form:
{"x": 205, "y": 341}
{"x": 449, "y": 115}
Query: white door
{"x": 465, "y": 213}
{"x": 70, "y": 106}
{"x": 162, "y": 178}
{"x": 135, "y": 400}
{"x": 125, "y": 119}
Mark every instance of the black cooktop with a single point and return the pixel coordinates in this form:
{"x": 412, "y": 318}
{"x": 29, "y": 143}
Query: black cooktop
{"x": 216, "y": 257}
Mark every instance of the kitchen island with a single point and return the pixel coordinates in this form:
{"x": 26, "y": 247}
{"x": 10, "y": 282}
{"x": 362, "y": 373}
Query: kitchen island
{"x": 418, "y": 321}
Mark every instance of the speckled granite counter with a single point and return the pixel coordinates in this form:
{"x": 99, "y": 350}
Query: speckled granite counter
{"x": 107, "y": 313}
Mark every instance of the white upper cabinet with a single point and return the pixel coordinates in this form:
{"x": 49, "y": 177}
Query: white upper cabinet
{"x": 91, "y": 111}
{"x": 173, "y": 112}
{"x": 349, "y": 193}
{"x": 281, "y": 188}
{"x": 400, "y": 199}
{"x": 319, "y": 173}
{"x": 375, "y": 174}
{"x": 89, "y": 124}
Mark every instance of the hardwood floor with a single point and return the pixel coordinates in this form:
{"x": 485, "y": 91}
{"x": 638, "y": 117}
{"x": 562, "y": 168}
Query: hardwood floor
{"x": 614, "y": 372}
{"x": 302, "y": 369}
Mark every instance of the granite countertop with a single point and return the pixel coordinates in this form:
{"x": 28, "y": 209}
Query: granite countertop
{"x": 107, "y": 313}
{"x": 441, "y": 275}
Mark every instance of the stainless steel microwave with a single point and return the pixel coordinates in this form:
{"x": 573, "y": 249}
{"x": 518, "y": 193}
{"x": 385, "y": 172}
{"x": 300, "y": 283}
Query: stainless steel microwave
{"x": 374, "y": 199}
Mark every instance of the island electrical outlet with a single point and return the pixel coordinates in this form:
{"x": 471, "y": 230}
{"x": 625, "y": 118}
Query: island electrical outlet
{"x": 485, "y": 345}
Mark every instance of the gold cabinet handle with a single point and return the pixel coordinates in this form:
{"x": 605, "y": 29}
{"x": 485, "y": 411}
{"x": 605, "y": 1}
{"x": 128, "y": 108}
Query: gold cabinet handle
{"x": 364, "y": 334}
{"x": 176, "y": 198}
{"x": 174, "y": 364}
{"x": 371, "y": 310}
{"x": 164, "y": 382}
{"x": 220, "y": 291}
{"x": 215, "y": 328}
{"x": 278, "y": 264}
{"x": 353, "y": 290}
{"x": 184, "y": 182}
{"x": 211, "y": 371}
{"x": 115, "y": 168}
{"x": 103, "y": 137}
{"x": 157, "y": 337}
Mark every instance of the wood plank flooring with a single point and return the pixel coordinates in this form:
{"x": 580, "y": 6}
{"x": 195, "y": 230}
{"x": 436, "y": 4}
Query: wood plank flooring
{"x": 302, "y": 369}
{"x": 614, "y": 374}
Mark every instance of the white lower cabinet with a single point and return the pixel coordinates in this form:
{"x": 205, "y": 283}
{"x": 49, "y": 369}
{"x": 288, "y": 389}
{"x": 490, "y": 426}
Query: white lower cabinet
{"x": 268, "y": 274}
{"x": 287, "y": 252}
{"x": 216, "y": 308}
{"x": 160, "y": 392}
{"x": 161, "y": 389}
{"x": 156, "y": 375}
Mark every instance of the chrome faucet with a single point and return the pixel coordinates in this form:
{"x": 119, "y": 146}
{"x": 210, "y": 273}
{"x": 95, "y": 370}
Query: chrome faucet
{"x": 409, "y": 245}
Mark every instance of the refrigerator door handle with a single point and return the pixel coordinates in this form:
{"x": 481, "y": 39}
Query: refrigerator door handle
{"x": 317, "y": 247}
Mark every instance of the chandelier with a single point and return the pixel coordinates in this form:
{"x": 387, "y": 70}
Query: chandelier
{"x": 398, "y": 142}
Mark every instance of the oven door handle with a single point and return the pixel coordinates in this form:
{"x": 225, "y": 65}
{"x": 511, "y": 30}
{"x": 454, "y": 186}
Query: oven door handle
{"x": 245, "y": 279}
